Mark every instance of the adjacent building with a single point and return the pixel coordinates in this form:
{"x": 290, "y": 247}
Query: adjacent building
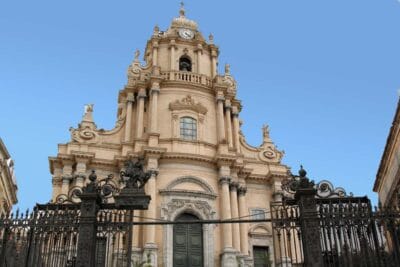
{"x": 183, "y": 116}
{"x": 8, "y": 182}
{"x": 387, "y": 183}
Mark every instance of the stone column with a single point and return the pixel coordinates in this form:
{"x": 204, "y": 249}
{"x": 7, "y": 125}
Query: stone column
{"x": 214, "y": 55}
{"x": 172, "y": 47}
{"x": 220, "y": 117}
{"x": 128, "y": 123}
{"x": 228, "y": 122}
{"x": 150, "y": 247}
{"x": 228, "y": 257}
{"x": 155, "y": 53}
{"x": 280, "y": 237}
{"x": 151, "y": 212}
{"x": 236, "y": 128}
{"x": 140, "y": 112}
{"x": 65, "y": 185}
{"x": 235, "y": 214}
{"x": 244, "y": 242}
{"x": 81, "y": 172}
{"x": 155, "y": 89}
{"x": 199, "y": 51}
{"x": 66, "y": 176}
{"x": 225, "y": 211}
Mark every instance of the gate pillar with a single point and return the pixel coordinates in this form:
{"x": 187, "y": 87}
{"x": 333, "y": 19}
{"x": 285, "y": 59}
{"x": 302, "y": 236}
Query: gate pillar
{"x": 309, "y": 223}
{"x": 86, "y": 256}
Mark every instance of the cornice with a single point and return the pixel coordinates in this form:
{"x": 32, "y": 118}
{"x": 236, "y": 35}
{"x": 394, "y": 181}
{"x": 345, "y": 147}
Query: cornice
{"x": 390, "y": 141}
{"x": 187, "y": 85}
{"x": 104, "y": 162}
{"x": 224, "y": 159}
{"x": 82, "y": 154}
{"x": 170, "y": 140}
{"x": 187, "y": 193}
{"x": 189, "y": 157}
{"x": 154, "y": 151}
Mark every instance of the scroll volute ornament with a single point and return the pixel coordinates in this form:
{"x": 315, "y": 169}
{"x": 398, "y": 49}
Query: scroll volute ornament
{"x": 188, "y": 103}
{"x": 87, "y": 129}
{"x": 268, "y": 151}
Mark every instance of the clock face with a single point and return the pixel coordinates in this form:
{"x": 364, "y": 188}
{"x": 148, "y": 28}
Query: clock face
{"x": 186, "y": 34}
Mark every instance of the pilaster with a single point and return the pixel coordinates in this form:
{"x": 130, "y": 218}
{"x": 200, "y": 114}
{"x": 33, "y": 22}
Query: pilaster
{"x": 140, "y": 112}
{"x": 220, "y": 117}
{"x": 228, "y": 121}
{"x": 244, "y": 242}
{"x": 172, "y": 47}
{"x": 128, "y": 123}
{"x": 233, "y": 186}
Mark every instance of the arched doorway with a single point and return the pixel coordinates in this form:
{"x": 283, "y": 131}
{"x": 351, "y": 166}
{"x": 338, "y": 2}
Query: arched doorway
{"x": 188, "y": 242}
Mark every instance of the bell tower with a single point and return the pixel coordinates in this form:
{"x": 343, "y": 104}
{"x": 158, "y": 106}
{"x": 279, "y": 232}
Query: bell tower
{"x": 182, "y": 47}
{"x": 182, "y": 116}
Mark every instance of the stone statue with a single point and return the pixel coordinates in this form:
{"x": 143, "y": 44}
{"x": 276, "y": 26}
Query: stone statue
{"x": 227, "y": 69}
{"x": 265, "y": 131}
{"x": 137, "y": 54}
{"x": 89, "y": 108}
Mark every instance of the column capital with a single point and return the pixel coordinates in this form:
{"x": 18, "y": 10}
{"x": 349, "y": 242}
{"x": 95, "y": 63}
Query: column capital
{"x": 172, "y": 43}
{"x": 130, "y": 98}
{"x": 235, "y": 111}
{"x": 155, "y": 87}
{"x": 66, "y": 178}
{"x": 154, "y": 172}
{"x": 242, "y": 190}
{"x": 199, "y": 48}
{"x": 219, "y": 97}
{"x": 224, "y": 180}
{"x": 233, "y": 186}
{"x": 141, "y": 93}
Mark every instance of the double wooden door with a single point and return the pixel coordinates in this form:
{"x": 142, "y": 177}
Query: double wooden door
{"x": 188, "y": 243}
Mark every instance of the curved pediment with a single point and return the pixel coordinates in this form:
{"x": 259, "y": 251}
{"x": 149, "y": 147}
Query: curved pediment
{"x": 259, "y": 230}
{"x": 189, "y": 186}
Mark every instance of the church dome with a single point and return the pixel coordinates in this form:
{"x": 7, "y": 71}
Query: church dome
{"x": 182, "y": 21}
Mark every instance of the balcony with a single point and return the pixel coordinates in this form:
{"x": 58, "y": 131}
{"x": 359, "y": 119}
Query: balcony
{"x": 185, "y": 76}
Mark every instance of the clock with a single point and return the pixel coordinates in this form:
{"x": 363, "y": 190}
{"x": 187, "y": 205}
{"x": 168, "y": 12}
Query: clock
{"x": 186, "y": 33}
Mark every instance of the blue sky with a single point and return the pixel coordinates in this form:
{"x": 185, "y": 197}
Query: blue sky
{"x": 323, "y": 74}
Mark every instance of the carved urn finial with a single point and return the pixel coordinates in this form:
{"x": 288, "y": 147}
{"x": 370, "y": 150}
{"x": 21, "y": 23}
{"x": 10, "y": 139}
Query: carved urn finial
{"x": 211, "y": 38}
{"x": 302, "y": 172}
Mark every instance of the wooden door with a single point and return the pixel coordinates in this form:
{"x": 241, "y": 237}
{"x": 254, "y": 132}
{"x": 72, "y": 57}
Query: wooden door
{"x": 188, "y": 243}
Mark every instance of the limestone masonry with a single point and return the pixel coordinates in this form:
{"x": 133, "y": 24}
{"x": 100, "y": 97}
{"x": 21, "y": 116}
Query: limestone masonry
{"x": 178, "y": 112}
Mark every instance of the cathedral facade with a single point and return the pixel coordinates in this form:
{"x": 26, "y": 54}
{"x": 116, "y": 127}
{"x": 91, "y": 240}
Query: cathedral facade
{"x": 182, "y": 116}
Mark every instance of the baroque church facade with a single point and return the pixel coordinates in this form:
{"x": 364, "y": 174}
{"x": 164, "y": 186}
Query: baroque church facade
{"x": 182, "y": 116}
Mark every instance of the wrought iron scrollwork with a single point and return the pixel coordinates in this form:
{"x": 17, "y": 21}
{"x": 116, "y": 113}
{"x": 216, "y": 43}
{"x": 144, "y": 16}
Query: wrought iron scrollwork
{"x": 324, "y": 189}
{"x": 296, "y": 182}
{"x": 132, "y": 182}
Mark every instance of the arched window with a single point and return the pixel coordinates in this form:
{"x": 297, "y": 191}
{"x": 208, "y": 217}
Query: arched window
{"x": 185, "y": 64}
{"x": 188, "y": 128}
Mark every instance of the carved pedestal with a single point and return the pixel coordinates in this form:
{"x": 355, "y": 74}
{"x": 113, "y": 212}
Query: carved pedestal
{"x": 150, "y": 252}
{"x": 228, "y": 258}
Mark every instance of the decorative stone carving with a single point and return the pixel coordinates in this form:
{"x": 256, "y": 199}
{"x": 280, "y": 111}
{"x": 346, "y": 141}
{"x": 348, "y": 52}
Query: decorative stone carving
{"x": 87, "y": 129}
{"x": 268, "y": 151}
{"x": 207, "y": 191}
{"x": 188, "y": 103}
{"x": 202, "y": 209}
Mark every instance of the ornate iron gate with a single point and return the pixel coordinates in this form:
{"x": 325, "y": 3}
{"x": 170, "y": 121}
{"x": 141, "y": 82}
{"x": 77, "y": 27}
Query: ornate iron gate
{"x": 320, "y": 227}
{"x": 95, "y": 232}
